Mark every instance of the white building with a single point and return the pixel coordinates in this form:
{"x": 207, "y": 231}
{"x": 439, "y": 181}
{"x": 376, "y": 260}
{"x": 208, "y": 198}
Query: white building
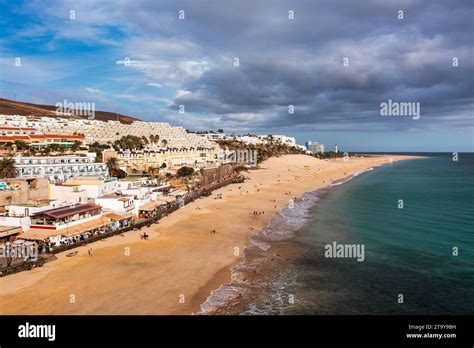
{"x": 172, "y": 157}
{"x": 19, "y": 214}
{"x": 68, "y": 194}
{"x": 213, "y": 136}
{"x": 94, "y": 187}
{"x": 144, "y": 191}
{"x": 65, "y": 217}
{"x": 60, "y": 168}
{"x": 250, "y": 139}
{"x": 282, "y": 139}
{"x": 314, "y": 147}
{"x": 11, "y": 131}
{"x": 127, "y": 184}
{"x": 116, "y": 204}
{"x": 264, "y": 139}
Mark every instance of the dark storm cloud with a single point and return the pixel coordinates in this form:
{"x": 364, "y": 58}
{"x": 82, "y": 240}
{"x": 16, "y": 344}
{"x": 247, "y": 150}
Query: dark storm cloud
{"x": 300, "y": 61}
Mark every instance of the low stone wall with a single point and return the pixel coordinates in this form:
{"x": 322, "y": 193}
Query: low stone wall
{"x": 159, "y": 214}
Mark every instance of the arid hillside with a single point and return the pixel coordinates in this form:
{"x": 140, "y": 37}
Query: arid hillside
{"x": 10, "y": 107}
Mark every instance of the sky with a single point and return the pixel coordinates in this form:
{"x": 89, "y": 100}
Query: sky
{"x": 335, "y": 62}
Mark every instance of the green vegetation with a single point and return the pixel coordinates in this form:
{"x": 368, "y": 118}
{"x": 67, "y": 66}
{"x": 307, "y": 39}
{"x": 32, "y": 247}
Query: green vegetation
{"x": 220, "y": 130}
{"x": 154, "y": 138}
{"x": 21, "y": 145}
{"x": 328, "y": 155}
{"x": 54, "y": 147}
{"x": 184, "y": 171}
{"x": 264, "y": 151}
{"x": 129, "y": 142}
{"x": 8, "y": 168}
{"x": 155, "y": 171}
{"x": 76, "y": 146}
{"x": 114, "y": 169}
{"x": 152, "y": 171}
{"x": 98, "y": 148}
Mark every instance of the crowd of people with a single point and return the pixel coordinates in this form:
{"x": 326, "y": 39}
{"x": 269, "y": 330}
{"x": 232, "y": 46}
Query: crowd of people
{"x": 257, "y": 213}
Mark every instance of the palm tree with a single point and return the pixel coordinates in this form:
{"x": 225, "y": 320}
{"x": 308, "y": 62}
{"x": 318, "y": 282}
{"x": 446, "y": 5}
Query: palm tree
{"x": 77, "y": 144}
{"x": 270, "y": 139}
{"x": 54, "y": 147}
{"x": 151, "y": 171}
{"x": 21, "y": 145}
{"x": 8, "y": 145}
{"x": 113, "y": 166}
{"x": 129, "y": 142}
{"x": 47, "y": 150}
{"x": 163, "y": 166}
{"x": 8, "y": 168}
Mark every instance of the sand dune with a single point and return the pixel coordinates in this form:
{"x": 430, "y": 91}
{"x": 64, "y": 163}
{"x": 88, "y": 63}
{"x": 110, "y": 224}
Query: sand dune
{"x": 174, "y": 271}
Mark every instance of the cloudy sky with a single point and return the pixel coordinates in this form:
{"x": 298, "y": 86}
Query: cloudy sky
{"x": 334, "y": 61}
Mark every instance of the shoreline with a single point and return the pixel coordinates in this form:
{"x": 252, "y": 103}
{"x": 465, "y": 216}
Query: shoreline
{"x": 174, "y": 244}
{"x": 223, "y": 281}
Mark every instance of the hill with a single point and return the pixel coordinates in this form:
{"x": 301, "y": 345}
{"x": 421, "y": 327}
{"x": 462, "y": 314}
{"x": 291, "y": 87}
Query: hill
{"x": 11, "y": 107}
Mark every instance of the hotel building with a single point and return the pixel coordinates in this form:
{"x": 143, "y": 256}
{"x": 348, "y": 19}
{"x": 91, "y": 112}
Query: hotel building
{"x": 60, "y": 168}
{"x": 114, "y": 203}
{"x": 14, "y": 131}
{"x": 173, "y": 158}
{"x": 36, "y": 139}
{"x": 93, "y": 186}
{"x": 107, "y": 132}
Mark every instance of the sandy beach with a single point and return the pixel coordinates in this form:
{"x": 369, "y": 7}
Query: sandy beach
{"x": 174, "y": 271}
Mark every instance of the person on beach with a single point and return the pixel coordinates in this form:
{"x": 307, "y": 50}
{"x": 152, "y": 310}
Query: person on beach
{"x": 89, "y": 251}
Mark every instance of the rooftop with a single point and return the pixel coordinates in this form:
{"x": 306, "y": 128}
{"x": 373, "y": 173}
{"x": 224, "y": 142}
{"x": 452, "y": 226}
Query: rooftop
{"x": 42, "y": 233}
{"x": 59, "y": 213}
{"x": 6, "y": 231}
{"x": 38, "y": 203}
{"x": 114, "y": 196}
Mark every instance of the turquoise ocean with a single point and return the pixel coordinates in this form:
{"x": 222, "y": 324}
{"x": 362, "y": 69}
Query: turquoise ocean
{"x": 410, "y": 267}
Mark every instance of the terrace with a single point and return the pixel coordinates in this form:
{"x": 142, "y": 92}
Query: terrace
{"x": 59, "y": 218}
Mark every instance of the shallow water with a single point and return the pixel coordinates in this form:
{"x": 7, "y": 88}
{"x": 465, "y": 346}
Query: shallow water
{"x": 408, "y": 251}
